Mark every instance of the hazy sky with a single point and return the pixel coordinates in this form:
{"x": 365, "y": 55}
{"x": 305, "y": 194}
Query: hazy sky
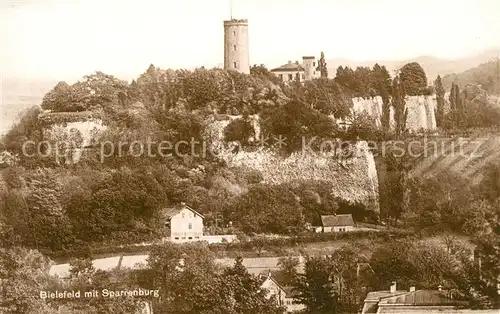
{"x": 67, "y": 39}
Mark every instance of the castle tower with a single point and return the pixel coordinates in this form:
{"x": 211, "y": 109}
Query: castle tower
{"x": 309, "y": 64}
{"x": 236, "y": 53}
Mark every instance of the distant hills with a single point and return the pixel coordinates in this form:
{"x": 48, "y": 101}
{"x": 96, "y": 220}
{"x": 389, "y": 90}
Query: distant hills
{"x": 486, "y": 74}
{"x": 432, "y": 65}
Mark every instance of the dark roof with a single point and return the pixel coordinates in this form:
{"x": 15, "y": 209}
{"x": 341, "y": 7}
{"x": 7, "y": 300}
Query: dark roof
{"x": 170, "y": 212}
{"x": 337, "y": 220}
{"x": 420, "y": 298}
{"x": 277, "y": 277}
{"x": 288, "y": 67}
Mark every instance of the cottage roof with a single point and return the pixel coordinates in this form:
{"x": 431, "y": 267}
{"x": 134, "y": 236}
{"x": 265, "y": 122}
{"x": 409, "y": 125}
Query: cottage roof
{"x": 172, "y": 211}
{"x": 277, "y": 277}
{"x": 337, "y": 220}
{"x": 420, "y": 298}
{"x": 289, "y": 67}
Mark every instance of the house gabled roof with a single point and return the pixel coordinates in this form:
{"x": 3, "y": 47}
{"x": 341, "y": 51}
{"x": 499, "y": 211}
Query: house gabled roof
{"x": 420, "y": 298}
{"x": 277, "y": 278}
{"x": 289, "y": 67}
{"x": 337, "y": 220}
{"x": 172, "y": 211}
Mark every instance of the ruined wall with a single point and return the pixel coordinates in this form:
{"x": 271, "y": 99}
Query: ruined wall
{"x": 72, "y": 133}
{"x": 354, "y": 176}
{"x": 421, "y": 111}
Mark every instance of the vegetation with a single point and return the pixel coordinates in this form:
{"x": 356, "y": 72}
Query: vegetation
{"x": 60, "y": 209}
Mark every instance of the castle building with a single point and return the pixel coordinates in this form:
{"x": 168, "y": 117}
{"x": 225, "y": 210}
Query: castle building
{"x": 236, "y": 52}
{"x": 305, "y": 71}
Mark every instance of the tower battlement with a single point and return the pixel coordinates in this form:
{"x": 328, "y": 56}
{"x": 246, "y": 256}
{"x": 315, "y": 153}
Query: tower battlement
{"x": 236, "y": 22}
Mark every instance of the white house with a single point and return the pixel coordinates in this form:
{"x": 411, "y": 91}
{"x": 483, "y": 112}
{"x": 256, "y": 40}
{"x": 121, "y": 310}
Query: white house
{"x": 337, "y": 223}
{"x": 285, "y": 296}
{"x": 183, "y": 224}
{"x": 305, "y": 71}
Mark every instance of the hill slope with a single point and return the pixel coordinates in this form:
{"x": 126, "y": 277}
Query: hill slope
{"x": 432, "y": 65}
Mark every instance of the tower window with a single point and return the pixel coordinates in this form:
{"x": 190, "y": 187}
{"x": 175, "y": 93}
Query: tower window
{"x": 281, "y": 76}
{"x": 234, "y": 47}
{"x": 314, "y": 63}
{"x": 190, "y": 226}
{"x": 234, "y": 64}
{"x": 290, "y": 77}
{"x": 234, "y": 33}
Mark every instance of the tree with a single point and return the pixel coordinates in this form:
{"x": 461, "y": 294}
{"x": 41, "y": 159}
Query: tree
{"x": 438, "y": 85}
{"x": 297, "y": 121}
{"x": 191, "y": 282}
{"x": 23, "y": 274}
{"x": 322, "y": 66}
{"x": 268, "y": 209}
{"x": 399, "y": 105}
{"x": 382, "y": 85}
{"x": 413, "y": 79}
{"x": 315, "y": 290}
{"x": 288, "y": 267}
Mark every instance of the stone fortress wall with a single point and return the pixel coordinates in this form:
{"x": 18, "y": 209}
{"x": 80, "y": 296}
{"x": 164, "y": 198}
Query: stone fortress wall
{"x": 421, "y": 111}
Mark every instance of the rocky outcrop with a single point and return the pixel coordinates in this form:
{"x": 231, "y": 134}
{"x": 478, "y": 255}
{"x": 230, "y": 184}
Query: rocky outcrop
{"x": 353, "y": 174}
{"x": 70, "y": 134}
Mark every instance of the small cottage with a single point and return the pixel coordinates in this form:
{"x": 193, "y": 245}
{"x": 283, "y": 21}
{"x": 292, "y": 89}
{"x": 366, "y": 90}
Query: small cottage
{"x": 337, "y": 223}
{"x": 183, "y": 224}
{"x": 285, "y": 295}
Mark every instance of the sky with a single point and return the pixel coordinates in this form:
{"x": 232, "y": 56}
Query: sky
{"x": 66, "y": 39}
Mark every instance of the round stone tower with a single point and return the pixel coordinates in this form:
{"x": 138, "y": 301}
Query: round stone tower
{"x": 236, "y": 53}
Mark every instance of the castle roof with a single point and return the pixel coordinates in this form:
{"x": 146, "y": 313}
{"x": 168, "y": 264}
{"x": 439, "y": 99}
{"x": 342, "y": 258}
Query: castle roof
{"x": 290, "y": 66}
{"x": 337, "y": 220}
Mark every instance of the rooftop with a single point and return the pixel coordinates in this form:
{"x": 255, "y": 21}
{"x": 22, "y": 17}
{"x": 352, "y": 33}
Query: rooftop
{"x": 420, "y": 298}
{"x": 337, "y": 220}
{"x": 172, "y": 211}
{"x": 290, "y": 66}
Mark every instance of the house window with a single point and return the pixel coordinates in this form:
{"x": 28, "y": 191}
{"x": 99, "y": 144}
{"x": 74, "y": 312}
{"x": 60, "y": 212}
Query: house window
{"x": 183, "y": 215}
{"x": 290, "y": 77}
{"x": 190, "y": 226}
{"x": 234, "y": 64}
{"x": 190, "y": 238}
{"x": 281, "y": 77}
{"x": 234, "y": 47}
{"x": 177, "y": 238}
{"x": 314, "y": 63}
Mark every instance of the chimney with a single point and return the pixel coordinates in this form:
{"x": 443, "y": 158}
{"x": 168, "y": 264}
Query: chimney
{"x": 393, "y": 287}
{"x": 289, "y": 61}
{"x": 412, "y": 289}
